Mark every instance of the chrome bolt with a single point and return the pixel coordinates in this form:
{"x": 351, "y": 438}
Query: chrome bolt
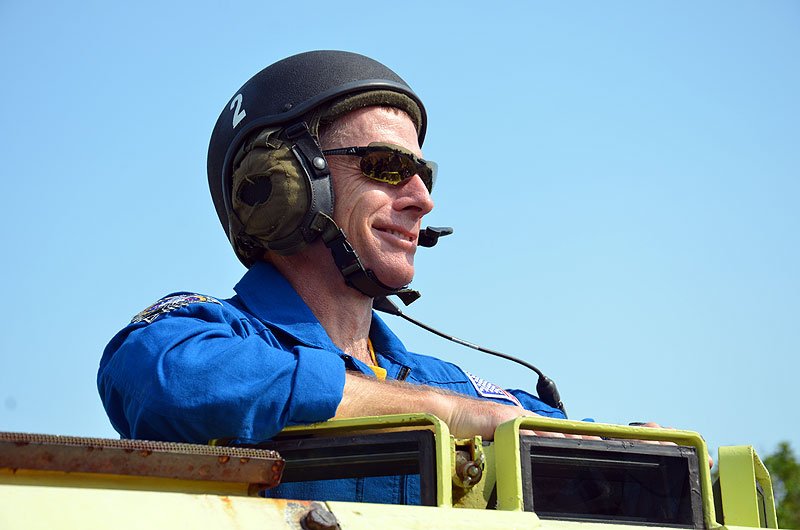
{"x": 474, "y": 472}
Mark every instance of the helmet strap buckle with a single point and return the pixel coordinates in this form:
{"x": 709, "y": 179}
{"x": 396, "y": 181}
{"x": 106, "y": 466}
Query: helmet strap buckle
{"x": 350, "y": 266}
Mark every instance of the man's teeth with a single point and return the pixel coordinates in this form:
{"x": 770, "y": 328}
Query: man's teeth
{"x": 398, "y": 234}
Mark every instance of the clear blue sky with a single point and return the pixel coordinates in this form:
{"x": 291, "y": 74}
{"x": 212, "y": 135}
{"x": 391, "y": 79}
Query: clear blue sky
{"x": 623, "y": 179}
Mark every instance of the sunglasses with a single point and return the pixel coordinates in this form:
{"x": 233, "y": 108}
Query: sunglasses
{"x": 390, "y": 163}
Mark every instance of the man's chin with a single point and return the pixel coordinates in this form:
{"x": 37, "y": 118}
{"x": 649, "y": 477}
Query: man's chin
{"x": 395, "y": 278}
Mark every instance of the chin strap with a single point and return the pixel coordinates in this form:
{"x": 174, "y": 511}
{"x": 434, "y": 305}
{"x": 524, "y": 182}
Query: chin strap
{"x": 349, "y": 264}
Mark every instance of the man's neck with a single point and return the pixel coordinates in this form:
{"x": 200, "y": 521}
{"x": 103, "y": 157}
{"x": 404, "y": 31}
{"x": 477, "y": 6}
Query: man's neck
{"x": 345, "y": 313}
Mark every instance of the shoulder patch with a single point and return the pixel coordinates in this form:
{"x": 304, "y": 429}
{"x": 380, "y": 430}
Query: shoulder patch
{"x": 170, "y": 303}
{"x": 490, "y": 390}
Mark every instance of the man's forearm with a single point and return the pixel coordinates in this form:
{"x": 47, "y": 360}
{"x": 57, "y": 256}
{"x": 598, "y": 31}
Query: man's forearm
{"x": 366, "y": 396}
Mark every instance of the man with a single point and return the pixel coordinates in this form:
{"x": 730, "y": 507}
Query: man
{"x": 299, "y": 343}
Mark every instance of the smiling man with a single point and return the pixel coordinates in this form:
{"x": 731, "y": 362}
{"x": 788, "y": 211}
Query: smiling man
{"x": 317, "y": 175}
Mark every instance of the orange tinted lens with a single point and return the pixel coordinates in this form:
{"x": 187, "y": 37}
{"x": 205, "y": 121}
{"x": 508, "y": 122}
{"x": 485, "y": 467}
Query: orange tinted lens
{"x": 387, "y": 166}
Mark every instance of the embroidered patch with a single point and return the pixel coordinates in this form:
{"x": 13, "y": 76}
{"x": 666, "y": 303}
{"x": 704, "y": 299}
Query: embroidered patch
{"x": 170, "y": 303}
{"x": 490, "y": 390}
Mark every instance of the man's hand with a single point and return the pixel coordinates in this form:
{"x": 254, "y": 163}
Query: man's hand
{"x": 652, "y": 425}
{"x": 468, "y": 417}
{"x": 657, "y": 426}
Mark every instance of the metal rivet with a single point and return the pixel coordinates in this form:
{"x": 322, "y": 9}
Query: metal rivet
{"x": 320, "y": 519}
{"x": 287, "y": 107}
{"x": 318, "y": 162}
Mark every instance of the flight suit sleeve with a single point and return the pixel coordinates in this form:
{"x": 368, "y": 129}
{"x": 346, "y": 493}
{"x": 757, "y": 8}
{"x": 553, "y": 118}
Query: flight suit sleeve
{"x": 534, "y": 404}
{"x": 204, "y": 372}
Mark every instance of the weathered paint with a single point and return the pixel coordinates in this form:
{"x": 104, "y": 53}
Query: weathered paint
{"x": 47, "y": 508}
{"x": 355, "y": 516}
{"x": 58, "y": 479}
{"x": 136, "y": 464}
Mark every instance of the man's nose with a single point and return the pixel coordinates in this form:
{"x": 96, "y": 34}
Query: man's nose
{"x": 414, "y": 195}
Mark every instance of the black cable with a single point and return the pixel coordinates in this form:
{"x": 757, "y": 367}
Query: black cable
{"x": 473, "y": 346}
{"x": 545, "y": 387}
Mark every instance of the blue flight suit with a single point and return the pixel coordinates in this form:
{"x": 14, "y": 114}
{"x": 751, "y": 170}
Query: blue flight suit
{"x": 192, "y": 368}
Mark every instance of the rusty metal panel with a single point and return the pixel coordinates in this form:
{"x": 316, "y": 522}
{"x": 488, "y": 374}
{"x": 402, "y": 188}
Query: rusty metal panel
{"x": 262, "y": 468}
{"x": 48, "y": 508}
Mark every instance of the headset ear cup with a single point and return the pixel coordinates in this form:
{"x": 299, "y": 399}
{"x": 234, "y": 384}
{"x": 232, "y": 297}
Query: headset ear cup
{"x": 270, "y": 195}
{"x": 255, "y": 190}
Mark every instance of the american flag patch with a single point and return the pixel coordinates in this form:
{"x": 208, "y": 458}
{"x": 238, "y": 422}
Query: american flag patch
{"x": 490, "y": 390}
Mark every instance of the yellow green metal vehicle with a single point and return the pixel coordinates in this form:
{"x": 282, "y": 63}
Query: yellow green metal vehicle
{"x": 515, "y": 481}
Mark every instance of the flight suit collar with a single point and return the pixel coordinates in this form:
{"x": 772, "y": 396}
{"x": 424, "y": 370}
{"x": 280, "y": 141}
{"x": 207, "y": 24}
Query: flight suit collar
{"x": 271, "y": 298}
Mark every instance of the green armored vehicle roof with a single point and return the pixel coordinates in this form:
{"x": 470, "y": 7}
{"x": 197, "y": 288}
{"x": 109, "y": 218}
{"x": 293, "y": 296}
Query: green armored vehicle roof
{"x": 518, "y": 480}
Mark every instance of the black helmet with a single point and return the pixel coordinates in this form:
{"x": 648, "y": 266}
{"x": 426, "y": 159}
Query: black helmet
{"x": 268, "y": 177}
{"x": 287, "y": 92}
